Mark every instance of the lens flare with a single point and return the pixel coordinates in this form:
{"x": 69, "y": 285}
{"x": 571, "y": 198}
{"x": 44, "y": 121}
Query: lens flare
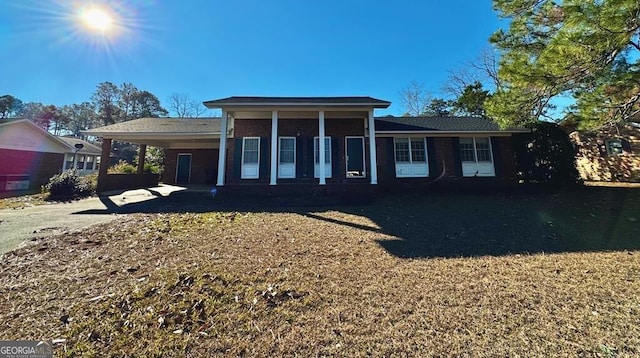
{"x": 97, "y": 19}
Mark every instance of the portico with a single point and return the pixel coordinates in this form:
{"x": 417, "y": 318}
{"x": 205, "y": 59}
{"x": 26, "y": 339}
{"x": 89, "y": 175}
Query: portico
{"x": 296, "y": 139}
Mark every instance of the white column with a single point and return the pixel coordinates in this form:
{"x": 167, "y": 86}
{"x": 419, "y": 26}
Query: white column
{"x": 75, "y": 160}
{"x": 372, "y": 148}
{"x": 321, "y": 158}
{"x": 274, "y": 148}
{"x": 222, "y": 154}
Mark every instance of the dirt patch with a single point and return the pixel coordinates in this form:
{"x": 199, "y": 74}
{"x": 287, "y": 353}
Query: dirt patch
{"x": 402, "y": 277}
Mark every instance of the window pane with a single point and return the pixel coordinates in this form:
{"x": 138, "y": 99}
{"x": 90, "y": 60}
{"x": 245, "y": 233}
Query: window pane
{"x": 402, "y": 150}
{"x": 467, "y": 153}
{"x": 483, "y": 152}
{"x": 614, "y": 146}
{"x": 250, "y": 150}
{"x": 417, "y": 150}
{"x": 287, "y": 150}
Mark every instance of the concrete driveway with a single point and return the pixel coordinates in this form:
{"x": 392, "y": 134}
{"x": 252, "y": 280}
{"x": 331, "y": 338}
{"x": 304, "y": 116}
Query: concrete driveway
{"x": 19, "y": 226}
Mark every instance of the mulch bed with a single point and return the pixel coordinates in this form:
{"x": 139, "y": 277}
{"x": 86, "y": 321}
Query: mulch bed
{"x": 554, "y": 274}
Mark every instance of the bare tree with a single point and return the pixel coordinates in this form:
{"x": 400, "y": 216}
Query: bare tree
{"x": 483, "y": 69}
{"x": 184, "y": 106}
{"x": 415, "y": 99}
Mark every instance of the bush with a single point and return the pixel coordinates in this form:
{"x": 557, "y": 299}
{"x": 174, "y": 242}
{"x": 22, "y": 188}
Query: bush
{"x": 69, "y": 185}
{"x": 545, "y": 156}
{"x": 123, "y": 168}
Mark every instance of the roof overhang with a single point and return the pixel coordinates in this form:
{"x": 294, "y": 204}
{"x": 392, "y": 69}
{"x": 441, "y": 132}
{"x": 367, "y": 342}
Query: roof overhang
{"x": 451, "y": 133}
{"x": 297, "y": 103}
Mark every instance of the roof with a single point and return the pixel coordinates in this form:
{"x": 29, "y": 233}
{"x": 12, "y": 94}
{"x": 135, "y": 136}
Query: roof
{"x": 240, "y": 101}
{"x": 87, "y": 148}
{"x": 160, "y": 126}
{"x": 440, "y": 124}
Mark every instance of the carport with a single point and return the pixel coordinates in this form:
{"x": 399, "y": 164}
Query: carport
{"x": 191, "y": 150}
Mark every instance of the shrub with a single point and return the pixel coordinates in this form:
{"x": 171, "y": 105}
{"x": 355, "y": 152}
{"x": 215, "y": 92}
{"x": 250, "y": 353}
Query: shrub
{"x": 123, "y": 167}
{"x": 69, "y": 185}
{"x": 545, "y": 156}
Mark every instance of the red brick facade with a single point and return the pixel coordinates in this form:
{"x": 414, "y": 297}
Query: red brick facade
{"x": 39, "y": 166}
{"x": 204, "y": 165}
{"x": 304, "y": 130}
{"x": 442, "y": 156}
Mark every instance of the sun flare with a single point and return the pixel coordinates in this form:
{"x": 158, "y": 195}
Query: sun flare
{"x": 97, "y": 19}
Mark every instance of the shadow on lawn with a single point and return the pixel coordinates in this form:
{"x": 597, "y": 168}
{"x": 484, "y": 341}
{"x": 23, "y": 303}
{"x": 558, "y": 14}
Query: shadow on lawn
{"x": 456, "y": 225}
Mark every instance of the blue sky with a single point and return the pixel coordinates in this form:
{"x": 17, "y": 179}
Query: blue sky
{"x": 213, "y": 49}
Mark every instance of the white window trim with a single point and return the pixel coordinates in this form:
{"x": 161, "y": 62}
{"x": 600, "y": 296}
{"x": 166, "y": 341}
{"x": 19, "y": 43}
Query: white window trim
{"x": 328, "y": 172}
{"x": 178, "y": 163}
{"x": 280, "y": 176}
{"x": 477, "y": 163}
{"x": 411, "y": 164}
{"x": 364, "y": 158}
{"x": 242, "y": 164}
{"x": 611, "y": 153}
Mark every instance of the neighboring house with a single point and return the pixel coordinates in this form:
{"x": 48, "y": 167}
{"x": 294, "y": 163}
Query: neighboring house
{"x": 609, "y": 154}
{"x": 319, "y": 141}
{"x": 29, "y": 155}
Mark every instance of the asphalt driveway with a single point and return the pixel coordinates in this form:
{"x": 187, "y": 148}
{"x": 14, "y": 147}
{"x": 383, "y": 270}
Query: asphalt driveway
{"x": 21, "y": 226}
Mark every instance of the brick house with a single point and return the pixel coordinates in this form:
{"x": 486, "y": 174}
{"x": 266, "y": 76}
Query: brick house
{"x": 29, "y": 155}
{"x": 608, "y": 154}
{"x": 318, "y": 141}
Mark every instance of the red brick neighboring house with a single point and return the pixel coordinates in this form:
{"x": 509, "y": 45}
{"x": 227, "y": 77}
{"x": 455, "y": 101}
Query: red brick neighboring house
{"x": 282, "y": 141}
{"x": 29, "y": 155}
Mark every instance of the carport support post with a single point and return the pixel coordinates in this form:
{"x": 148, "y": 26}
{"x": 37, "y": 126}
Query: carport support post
{"x": 222, "y": 153}
{"x": 104, "y": 164}
{"x": 141, "y": 158}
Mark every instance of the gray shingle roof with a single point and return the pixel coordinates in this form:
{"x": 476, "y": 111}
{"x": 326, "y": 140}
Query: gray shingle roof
{"x": 439, "y": 124}
{"x": 297, "y": 101}
{"x": 87, "y": 148}
{"x": 160, "y": 125}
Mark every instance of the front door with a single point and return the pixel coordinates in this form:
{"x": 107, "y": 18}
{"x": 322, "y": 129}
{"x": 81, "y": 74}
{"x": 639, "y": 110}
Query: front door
{"x": 183, "y": 170}
{"x": 355, "y": 157}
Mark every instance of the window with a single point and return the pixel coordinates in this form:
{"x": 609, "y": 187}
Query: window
{"x": 68, "y": 161}
{"x": 287, "y": 157}
{"x": 90, "y": 162}
{"x": 80, "y": 162}
{"x": 327, "y": 157}
{"x": 476, "y": 157}
{"x": 250, "y": 158}
{"x": 614, "y": 147}
{"x": 411, "y": 157}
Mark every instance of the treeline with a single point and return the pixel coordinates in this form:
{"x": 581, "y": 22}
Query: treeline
{"x": 108, "y": 104}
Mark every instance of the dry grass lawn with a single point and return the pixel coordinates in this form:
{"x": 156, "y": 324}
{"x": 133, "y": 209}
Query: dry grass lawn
{"x": 520, "y": 275}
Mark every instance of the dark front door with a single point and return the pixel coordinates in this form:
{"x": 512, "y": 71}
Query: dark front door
{"x": 183, "y": 172}
{"x": 355, "y": 157}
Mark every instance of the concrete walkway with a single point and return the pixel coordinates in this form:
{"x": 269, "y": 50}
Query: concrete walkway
{"x": 19, "y": 226}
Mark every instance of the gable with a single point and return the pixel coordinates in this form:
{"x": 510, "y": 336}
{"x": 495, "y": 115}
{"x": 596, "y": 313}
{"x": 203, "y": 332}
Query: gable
{"x": 24, "y": 135}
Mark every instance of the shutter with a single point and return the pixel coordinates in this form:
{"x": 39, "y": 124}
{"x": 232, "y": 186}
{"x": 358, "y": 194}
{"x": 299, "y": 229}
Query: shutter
{"x": 300, "y": 158}
{"x": 308, "y": 157}
{"x": 265, "y": 155}
{"x": 433, "y": 160}
{"x": 336, "y": 145}
{"x": 237, "y": 158}
{"x": 456, "y": 156}
{"x": 497, "y": 158}
{"x": 626, "y": 145}
{"x": 391, "y": 155}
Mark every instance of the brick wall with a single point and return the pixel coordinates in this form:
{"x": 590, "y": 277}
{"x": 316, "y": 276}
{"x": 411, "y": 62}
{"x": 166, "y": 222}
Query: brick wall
{"x": 204, "y": 165}
{"x": 442, "y": 159}
{"x": 40, "y": 166}
{"x": 304, "y": 130}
